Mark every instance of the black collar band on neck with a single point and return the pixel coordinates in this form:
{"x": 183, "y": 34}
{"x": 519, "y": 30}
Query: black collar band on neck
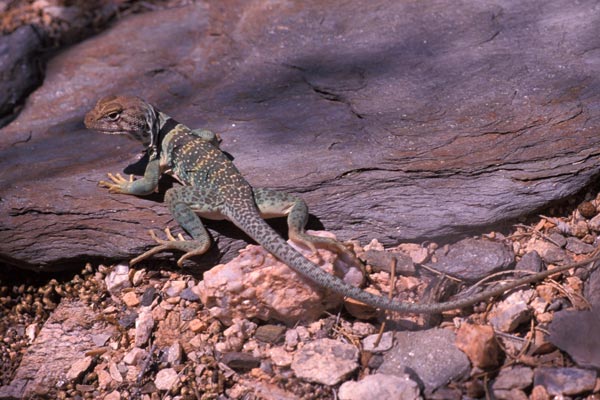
{"x": 169, "y": 125}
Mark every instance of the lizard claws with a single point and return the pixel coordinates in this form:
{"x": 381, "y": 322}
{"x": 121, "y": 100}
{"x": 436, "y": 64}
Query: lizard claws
{"x": 170, "y": 237}
{"x": 163, "y": 245}
{"x": 118, "y": 182}
{"x": 192, "y": 248}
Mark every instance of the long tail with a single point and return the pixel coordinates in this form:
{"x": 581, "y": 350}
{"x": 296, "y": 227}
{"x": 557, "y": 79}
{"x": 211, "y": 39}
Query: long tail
{"x": 258, "y": 229}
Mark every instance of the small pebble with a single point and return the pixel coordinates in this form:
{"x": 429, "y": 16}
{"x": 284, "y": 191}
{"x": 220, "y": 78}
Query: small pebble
{"x": 385, "y": 342}
{"x": 143, "y": 328}
{"x": 587, "y": 209}
{"x": 270, "y": 333}
{"x": 197, "y": 325}
{"x": 240, "y": 361}
{"x": 166, "y": 379}
{"x": 189, "y": 295}
{"x": 128, "y": 320}
{"x": 188, "y": 313}
{"x": 280, "y": 357}
{"x": 380, "y": 386}
{"x": 79, "y": 368}
{"x": 130, "y": 299}
{"x": 148, "y": 296}
{"x": 531, "y": 261}
{"x": 174, "y": 288}
{"x": 576, "y": 246}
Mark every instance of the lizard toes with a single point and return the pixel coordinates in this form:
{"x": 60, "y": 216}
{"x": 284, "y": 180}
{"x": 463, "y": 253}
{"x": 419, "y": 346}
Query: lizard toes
{"x": 200, "y": 249}
{"x": 149, "y": 253}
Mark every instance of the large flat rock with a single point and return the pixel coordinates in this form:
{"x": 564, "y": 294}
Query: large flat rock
{"x": 398, "y": 120}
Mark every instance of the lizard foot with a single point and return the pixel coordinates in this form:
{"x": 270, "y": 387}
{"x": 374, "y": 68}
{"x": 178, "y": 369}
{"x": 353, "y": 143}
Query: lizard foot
{"x": 118, "y": 183}
{"x": 314, "y": 242}
{"x": 190, "y": 247}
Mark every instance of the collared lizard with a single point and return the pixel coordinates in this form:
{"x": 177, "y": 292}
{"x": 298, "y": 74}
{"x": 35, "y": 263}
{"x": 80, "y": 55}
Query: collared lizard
{"x": 213, "y": 188}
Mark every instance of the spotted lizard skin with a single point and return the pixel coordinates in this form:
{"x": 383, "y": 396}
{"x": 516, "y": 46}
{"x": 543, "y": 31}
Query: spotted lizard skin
{"x": 213, "y": 188}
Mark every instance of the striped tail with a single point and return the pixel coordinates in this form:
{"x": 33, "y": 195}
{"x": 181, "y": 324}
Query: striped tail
{"x": 253, "y": 225}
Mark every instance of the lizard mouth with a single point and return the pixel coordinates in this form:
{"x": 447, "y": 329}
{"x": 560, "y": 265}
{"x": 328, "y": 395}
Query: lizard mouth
{"x": 129, "y": 135}
{"x": 109, "y": 131}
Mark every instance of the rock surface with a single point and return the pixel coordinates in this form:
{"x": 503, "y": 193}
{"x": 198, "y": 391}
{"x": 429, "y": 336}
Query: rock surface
{"x": 430, "y": 354}
{"x": 479, "y": 343}
{"x": 64, "y": 339}
{"x": 257, "y": 285}
{"x": 380, "y": 386}
{"x": 19, "y": 68}
{"x": 565, "y": 381}
{"x": 508, "y": 314}
{"x": 592, "y": 289}
{"x": 166, "y": 379}
{"x": 325, "y": 361}
{"x": 517, "y": 377}
{"x": 212, "y": 358}
{"x": 472, "y": 259}
{"x": 420, "y": 120}
{"x": 531, "y": 261}
{"x": 583, "y": 343}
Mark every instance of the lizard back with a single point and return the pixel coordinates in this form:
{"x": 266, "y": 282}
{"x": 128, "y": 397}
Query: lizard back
{"x": 196, "y": 162}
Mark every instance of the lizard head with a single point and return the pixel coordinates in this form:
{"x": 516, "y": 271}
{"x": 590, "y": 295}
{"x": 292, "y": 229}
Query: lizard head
{"x": 123, "y": 115}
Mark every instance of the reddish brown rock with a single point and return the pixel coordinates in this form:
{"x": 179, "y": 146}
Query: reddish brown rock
{"x": 479, "y": 343}
{"x": 394, "y": 120}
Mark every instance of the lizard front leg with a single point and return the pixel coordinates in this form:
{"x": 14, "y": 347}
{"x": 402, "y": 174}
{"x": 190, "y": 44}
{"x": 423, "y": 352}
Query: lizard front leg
{"x": 139, "y": 187}
{"x": 185, "y": 202}
{"x": 273, "y": 204}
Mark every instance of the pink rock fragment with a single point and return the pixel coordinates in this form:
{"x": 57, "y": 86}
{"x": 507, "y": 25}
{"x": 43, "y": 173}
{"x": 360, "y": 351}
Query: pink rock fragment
{"x": 257, "y": 285}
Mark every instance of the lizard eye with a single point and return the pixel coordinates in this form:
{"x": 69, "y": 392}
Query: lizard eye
{"x": 113, "y": 116}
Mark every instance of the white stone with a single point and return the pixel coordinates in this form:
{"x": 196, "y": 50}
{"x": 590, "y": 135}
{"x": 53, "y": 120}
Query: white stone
{"x": 380, "y": 386}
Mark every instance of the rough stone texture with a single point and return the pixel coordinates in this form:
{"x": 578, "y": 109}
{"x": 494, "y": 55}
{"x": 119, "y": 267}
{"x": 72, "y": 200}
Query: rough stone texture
{"x": 166, "y": 379}
{"x": 565, "y": 381}
{"x": 430, "y": 354}
{"x": 480, "y": 344}
{"x": 576, "y": 246}
{"x": 384, "y": 342}
{"x": 64, "y": 339}
{"x": 78, "y": 368}
{"x": 33, "y": 30}
{"x": 592, "y": 289}
{"x": 144, "y": 325}
{"x": 508, "y": 314}
{"x": 20, "y": 68}
{"x": 325, "y": 361}
{"x": 548, "y": 252}
{"x": 419, "y": 120}
{"x": 473, "y": 259}
{"x": 582, "y": 343}
{"x": 257, "y": 285}
{"x": 517, "y": 377}
{"x": 531, "y": 261}
{"x": 380, "y": 386}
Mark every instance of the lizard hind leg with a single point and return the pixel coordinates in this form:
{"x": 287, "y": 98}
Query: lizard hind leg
{"x": 184, "y": 202}
{"x": 272, "y": 204}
